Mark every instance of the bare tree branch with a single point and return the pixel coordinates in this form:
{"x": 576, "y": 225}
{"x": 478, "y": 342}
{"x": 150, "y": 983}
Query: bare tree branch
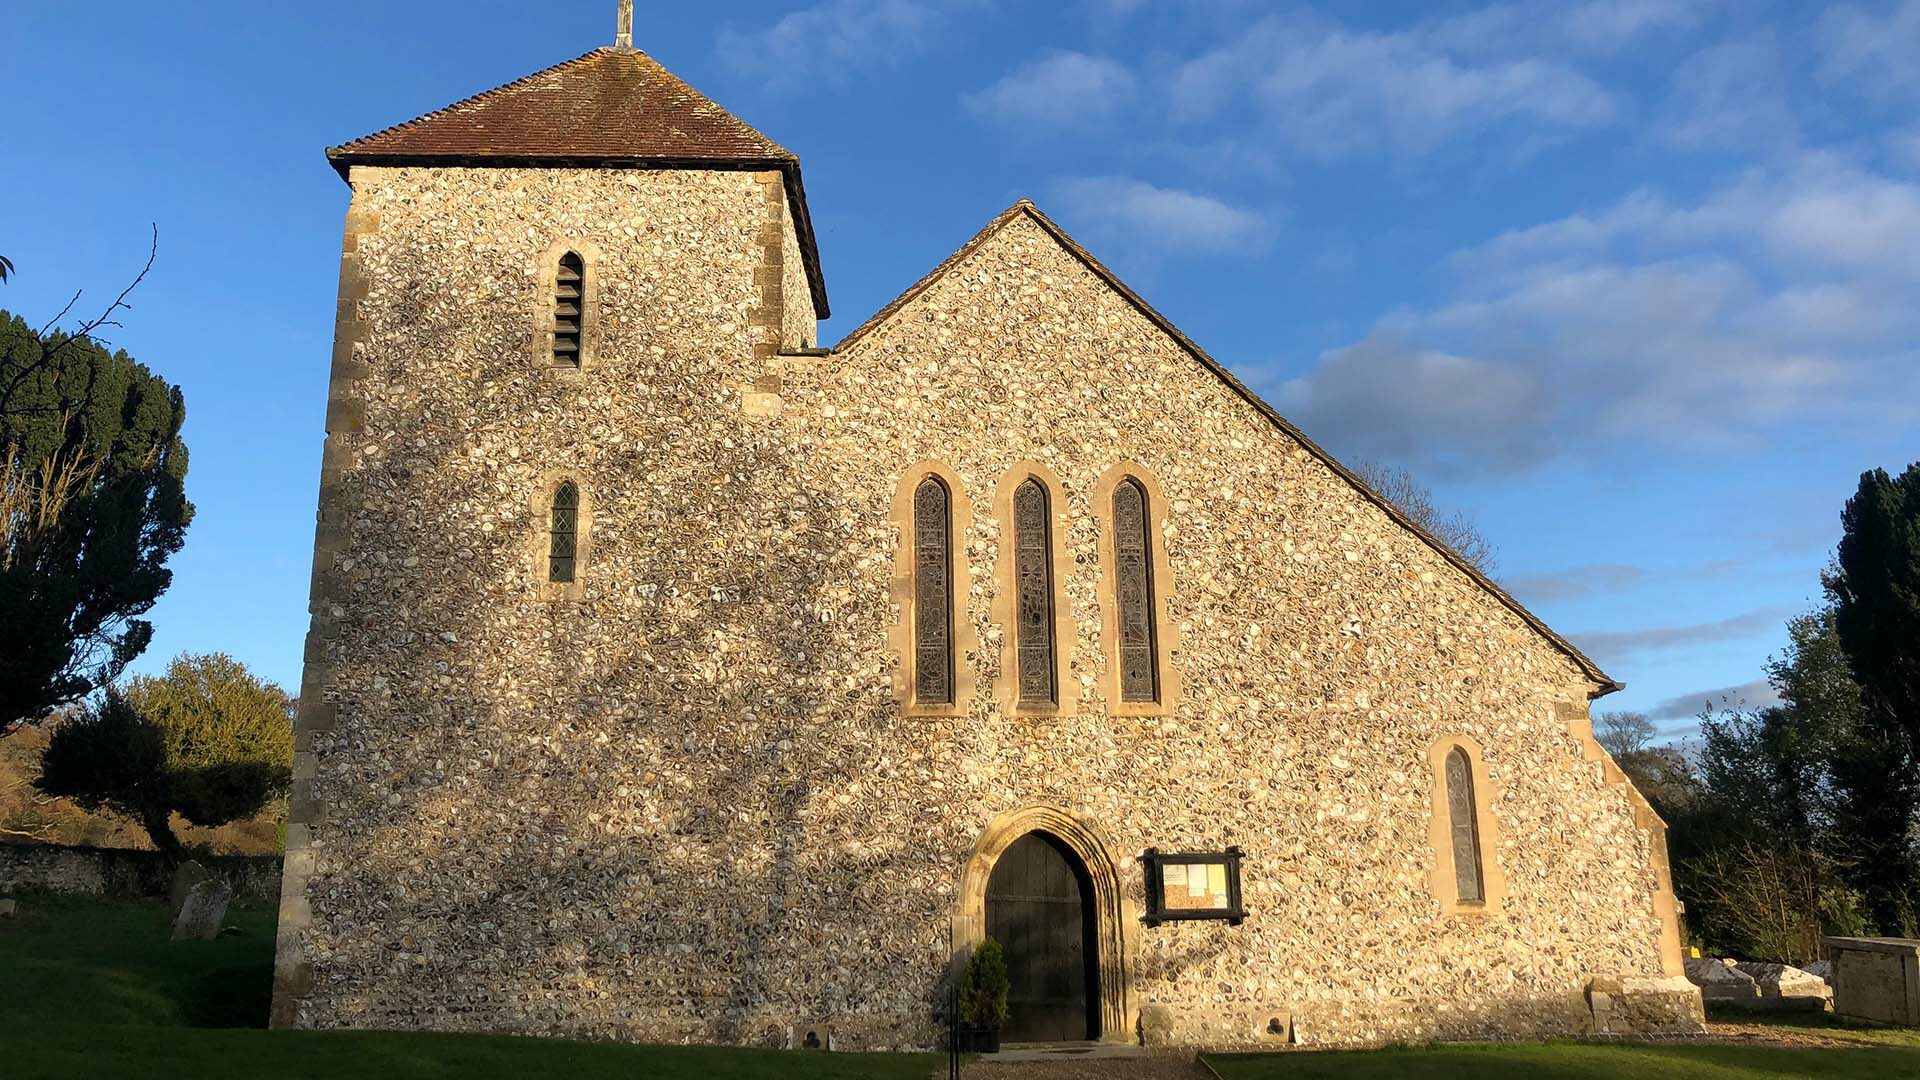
{"x": 1456, "y": 530}
{"x": 105, "y": 318}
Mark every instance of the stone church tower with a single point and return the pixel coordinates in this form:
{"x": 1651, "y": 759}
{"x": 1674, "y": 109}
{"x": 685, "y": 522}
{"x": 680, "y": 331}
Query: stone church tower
{"x": 671, "y": 678}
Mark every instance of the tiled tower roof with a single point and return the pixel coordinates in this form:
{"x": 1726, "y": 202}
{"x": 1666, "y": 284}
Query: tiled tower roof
{"x": 613, "y": 107}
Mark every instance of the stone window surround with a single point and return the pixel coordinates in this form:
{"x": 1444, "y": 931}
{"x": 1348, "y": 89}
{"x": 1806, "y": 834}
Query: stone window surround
{"x": 1005, "y": 612}
{"x": 539, "y": 536}
{"x": 1440, "y": 831}
{"x": 547, "y": 283}
{"x": 900, "y": 637}
{"x": 1166, "y": 634}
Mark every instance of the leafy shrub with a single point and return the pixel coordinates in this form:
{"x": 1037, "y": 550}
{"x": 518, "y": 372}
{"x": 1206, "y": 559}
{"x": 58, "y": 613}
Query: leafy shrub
{"x": 983, "y": 988}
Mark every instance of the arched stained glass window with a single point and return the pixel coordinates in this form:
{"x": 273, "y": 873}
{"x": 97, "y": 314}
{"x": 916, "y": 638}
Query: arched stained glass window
{"x": 1033, "y": 589}
{"x": 932, "y": 593}
{"x": 1133, "y": 590}
{"x": 569, "y": 296}
{"x": 563, "y": 542}
{"x": 1465, "y": 827}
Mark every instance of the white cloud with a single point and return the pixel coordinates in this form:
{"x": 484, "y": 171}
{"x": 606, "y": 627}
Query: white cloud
{"x": 1592, "y": 26}
{"x": 1904, "y": 147}
{"x": 1447, "y": 413}
{"x": 1731, "y": 94}
{"x": 1609, "y": 646}
{"x": 1335, "y": 91}
{"x": 1613, "y": 24}
{"x": 1575, "y": 581}
{"x": 1058, "y": 88}
{"x": 1164, "y": 219}
{"x": 1758, "y": 694}
{"x": 1782, "y": 297}
{"x": 1874, "y": 49}
{"x": 834, "y": 37}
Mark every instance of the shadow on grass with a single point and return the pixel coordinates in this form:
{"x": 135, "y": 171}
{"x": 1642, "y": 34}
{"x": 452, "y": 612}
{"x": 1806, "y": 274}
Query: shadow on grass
{"x": 1576, "y": 1061}
{"x": 111, "y": 961}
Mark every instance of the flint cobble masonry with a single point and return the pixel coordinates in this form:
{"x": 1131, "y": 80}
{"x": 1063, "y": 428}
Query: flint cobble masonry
{"x": 682, "y": 799}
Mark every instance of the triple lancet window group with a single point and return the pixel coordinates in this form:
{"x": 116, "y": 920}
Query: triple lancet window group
{"x": 1032, "y": 609}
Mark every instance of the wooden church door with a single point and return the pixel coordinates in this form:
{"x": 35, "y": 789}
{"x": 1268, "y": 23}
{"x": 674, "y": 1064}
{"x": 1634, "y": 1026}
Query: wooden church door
{"x": 1040, "y": 909}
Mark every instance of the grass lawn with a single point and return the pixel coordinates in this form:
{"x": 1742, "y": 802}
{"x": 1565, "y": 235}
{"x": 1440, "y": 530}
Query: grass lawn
{"x": 91, "y": 987}
{"x": 1826, "y": 1050}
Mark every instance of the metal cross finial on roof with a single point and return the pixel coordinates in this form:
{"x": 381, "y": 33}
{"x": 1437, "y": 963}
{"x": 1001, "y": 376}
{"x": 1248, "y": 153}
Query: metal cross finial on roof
{"x": 623, "y": 26}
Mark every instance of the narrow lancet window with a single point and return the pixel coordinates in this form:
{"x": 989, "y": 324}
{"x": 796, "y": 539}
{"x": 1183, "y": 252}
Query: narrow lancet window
{"x": 1133, "y": 588}
{"x": 932, "y": 593}
{"x": 563, "y": 540}
{"x": 1462, "y": 817}
{"x": 569, "y": 293}
{"x": 1033, "y": 587}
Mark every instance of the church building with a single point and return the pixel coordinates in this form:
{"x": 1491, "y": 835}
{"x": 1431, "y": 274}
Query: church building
{"x": 672, "y": 678}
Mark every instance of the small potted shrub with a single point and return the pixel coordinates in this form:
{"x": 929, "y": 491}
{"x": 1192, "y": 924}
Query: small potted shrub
{"x": 983, "y": 1000}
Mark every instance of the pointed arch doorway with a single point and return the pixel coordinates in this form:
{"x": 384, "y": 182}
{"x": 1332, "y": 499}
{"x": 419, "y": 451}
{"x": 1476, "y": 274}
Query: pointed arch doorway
{"x": 1042, "y": 883}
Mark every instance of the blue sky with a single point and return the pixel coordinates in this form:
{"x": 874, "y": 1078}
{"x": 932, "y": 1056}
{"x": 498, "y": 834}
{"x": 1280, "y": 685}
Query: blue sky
{"x": 1631, "y": 283}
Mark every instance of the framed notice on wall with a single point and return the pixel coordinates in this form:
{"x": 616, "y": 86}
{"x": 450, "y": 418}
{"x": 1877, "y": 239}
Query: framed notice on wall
{"x": 1193, "y": 885}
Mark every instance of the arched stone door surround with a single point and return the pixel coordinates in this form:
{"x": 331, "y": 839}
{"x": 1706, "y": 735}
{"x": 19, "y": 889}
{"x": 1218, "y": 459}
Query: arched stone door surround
{"x": 1115, "y": 916}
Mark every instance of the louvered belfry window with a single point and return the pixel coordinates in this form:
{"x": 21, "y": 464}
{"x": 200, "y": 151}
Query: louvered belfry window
{"x": 1468, "y": 886}
{"x": 932, "y": 593}
{"x": 569, "y": 295}
{"x": 1033, "y": 587}
{"x": 563, "y": 542}
{"x": 1133, "y": 586}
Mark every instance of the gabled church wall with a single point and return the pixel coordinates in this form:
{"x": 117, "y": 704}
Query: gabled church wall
{"x": 681, "y": 801}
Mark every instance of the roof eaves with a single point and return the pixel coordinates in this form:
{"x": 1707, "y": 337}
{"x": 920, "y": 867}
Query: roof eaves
{"x": 1605, "y": 684}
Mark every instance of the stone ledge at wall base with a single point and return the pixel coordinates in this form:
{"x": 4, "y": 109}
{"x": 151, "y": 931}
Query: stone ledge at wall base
{"x": 1605, "y": 1005}
{"x": 92, "y": 871}
{"x": 1876, "y": 979}
{"x": 1646, "y": 1005}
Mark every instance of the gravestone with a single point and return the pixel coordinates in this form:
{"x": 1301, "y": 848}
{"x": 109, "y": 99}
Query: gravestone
{"x": 8, "y": 908}
{"x": 1788, "y": 987}
{"x": 202, "y": 911}
{"x": 1720, "y": 981}
{"x": 1876, "y": 979}
{"x": 185, "y": 877}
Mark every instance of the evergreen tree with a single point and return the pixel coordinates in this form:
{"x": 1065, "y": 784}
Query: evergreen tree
{"x": 1876, "y": 589}
{"x": 92, "y": 504}
{"x": 209, "y": 741}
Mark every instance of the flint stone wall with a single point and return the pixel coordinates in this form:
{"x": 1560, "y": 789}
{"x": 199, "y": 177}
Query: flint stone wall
{"x": 685, "y": 805}
{"x": 92, "y": 871}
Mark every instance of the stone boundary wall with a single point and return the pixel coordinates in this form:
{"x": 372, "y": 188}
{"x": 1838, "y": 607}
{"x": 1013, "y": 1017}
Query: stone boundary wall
{"x": 92, "y": 871}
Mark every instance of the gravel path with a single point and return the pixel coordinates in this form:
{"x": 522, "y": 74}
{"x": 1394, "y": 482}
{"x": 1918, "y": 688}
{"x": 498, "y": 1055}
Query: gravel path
{"x": 1113, "y": 1068}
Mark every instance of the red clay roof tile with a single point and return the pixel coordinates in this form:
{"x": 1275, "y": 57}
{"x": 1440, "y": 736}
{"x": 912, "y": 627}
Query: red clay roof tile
{"x": 612, "y": 106}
